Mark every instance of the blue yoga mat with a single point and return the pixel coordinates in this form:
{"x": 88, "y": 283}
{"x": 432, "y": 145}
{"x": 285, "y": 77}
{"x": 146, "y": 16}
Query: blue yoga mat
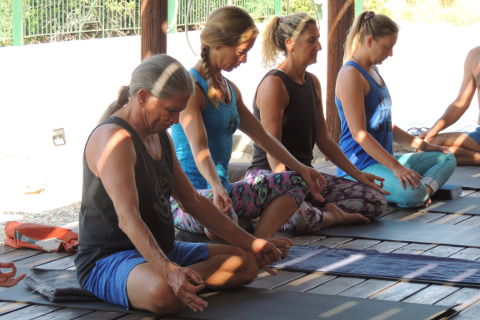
{"x": 373, "y": 264}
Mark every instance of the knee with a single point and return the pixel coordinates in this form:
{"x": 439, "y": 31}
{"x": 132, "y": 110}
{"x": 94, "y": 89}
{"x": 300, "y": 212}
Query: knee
{"x": 248, "y": 270}
{"x": 378, "y": 204}
{"x": 413, "y": 198}
{"x": 161, "y": 298}
{"x": 244, "y": 265}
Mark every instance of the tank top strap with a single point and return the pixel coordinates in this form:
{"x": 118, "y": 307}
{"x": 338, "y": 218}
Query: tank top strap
{"x": 363, "y": 72}
{"x": 197, "y": 77}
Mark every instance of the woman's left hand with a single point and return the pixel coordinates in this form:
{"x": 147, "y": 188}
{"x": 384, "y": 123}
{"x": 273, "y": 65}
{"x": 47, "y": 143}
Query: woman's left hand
{"x": 433, "y": 147}
{"x": 369, "y": 180}
{"x": 315, "y": 181}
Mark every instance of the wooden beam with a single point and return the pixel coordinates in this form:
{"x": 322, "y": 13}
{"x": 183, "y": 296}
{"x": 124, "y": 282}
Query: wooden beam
{"x": 154, "y": 22}
{"x": 340, "y": 18}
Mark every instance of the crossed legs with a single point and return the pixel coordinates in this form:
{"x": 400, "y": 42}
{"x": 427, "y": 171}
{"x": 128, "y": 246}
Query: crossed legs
{"x": 465, "y": 148}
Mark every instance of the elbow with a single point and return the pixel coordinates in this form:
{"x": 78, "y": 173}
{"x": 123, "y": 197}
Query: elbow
{"x": 359, "y": 136}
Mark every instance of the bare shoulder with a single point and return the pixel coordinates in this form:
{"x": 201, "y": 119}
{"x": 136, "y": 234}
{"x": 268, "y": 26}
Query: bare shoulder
{"x": 473, "y": 63}
{"x": 271, "y": 84}
{"x": 350, "y": 75}
{"x": 107, "y": 139}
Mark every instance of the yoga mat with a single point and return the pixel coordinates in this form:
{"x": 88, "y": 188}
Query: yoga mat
{"x": 373, "y": 264}
{"x": 21, "y": 293}
{"x": 465, "y": 205}
{"x": 466, "y": 176}
{"x": 249, "y": 303}
{"x": 385, "y": 229}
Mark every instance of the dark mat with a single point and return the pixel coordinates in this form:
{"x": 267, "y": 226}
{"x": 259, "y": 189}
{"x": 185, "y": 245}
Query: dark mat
{"x": 465, "y": 205}
{"x": 21, "y": 293}
{"x": 448, "y": 192}
{"x": 385, "y": 229}
{"x": 57, "y": 285}
{"x": 466, "y": 176}
{"x": 249, "y": 303}
{"x": 373, "y": 264}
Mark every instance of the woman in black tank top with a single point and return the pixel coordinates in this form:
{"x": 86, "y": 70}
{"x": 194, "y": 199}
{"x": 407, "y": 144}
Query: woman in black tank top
{"x": 127, "y": 251}
{"x": 289, "y": 105}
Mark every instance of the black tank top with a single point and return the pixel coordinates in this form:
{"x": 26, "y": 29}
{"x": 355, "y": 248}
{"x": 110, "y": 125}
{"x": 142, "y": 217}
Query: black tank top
{"x": 299, "y": 121}
{"x": 100, "y": 234}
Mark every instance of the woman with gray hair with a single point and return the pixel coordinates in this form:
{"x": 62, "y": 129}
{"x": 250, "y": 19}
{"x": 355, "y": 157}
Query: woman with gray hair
{"x": 127, "y": 253}
{"x": 288, "y": 103}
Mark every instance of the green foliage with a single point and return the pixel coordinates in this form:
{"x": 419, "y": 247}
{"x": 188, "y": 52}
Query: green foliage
{"x": 379, "y": 6}
{"x": 307, "y": 6}
{"x": 6, "y": 23}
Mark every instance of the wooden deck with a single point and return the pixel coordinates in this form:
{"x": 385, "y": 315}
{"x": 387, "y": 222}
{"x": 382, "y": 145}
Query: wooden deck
{"x": 301, "y": 282}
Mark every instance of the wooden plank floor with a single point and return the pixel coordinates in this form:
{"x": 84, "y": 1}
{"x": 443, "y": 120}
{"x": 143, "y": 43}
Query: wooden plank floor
{"x": 468, "y": 298}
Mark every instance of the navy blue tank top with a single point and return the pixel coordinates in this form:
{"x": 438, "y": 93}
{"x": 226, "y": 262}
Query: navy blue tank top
{"x": 378, "y": 116}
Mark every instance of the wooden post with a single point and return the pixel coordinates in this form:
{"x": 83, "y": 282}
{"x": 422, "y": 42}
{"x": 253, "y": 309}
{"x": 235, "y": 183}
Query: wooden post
{"x": 340, "y": 18}
{"x": 154, "y": 24}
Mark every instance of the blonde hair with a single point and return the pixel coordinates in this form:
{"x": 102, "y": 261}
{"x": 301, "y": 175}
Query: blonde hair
{"x": 367, "y": 24}
{"x": 279, "y": 29}
{"x": 226, "y": 26}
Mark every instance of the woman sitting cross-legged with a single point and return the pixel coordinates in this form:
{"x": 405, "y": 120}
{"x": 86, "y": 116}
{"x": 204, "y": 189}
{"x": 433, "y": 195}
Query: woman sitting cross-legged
{"x": 288, "y": 103}
{"x": 364, "y": 107}
{"x": 203, "y": 139}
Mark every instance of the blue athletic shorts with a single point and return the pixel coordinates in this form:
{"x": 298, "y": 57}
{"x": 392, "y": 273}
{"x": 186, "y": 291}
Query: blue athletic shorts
{"x": 475, "y": 134}
{"x": 108, "y": 278}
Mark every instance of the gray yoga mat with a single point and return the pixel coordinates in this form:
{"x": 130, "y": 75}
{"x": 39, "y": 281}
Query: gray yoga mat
{"x": 385, "y": 229}
{"x": 21, "y": 293}
{"x": 466, "y": 176}
{"x": 249, "y": 303}
{"x": 465, "y": 205}
{"x": 373, "y": 264}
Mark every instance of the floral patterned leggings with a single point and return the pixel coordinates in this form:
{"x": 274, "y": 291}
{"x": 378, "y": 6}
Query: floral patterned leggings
{"x": 250, "y": 197}
{"x": 350, "y": 196}
{"x": 254, "y": 193}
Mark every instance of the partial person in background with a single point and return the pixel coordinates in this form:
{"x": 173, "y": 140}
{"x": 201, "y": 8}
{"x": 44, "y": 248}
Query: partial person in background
{"x": 464, "y": 145}
{"x": 7, "y": 279}
{"x": 365, "y": 108}
{"x": 203, "y": 138}
{"x": 127, "y": 250}
{"x": 288, "y": 102}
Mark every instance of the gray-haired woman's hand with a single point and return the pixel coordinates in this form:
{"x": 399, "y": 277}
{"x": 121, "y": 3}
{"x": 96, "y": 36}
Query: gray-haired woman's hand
{"x": 186, "y": 283}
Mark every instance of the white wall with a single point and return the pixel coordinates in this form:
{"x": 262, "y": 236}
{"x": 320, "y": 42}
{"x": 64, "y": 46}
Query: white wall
{"x": 69, "y": 84}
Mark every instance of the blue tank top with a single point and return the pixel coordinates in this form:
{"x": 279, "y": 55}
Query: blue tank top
{"x": 220, "y": 123}
{"x": 378, "y": 116}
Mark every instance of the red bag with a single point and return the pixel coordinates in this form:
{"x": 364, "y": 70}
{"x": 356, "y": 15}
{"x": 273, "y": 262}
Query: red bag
{"x": 40, "y": 237}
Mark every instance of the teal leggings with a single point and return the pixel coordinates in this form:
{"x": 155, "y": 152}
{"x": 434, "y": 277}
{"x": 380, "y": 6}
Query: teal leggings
{"x": 435, "y": 167}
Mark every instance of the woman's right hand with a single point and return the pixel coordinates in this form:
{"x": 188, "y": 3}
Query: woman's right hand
{"x": 221, "y": 199}
{"x": 186, "y": 283}
{"x": 407, "y": 177}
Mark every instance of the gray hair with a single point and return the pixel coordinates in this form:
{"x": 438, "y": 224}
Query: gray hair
{"x": 160, "y": 74}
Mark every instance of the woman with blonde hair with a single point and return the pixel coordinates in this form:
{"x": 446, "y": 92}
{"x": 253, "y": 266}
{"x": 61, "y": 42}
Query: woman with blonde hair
{"x": 288, "y": 103}
{"x": 203, "y": 139}
{"x": 364, "y": 106}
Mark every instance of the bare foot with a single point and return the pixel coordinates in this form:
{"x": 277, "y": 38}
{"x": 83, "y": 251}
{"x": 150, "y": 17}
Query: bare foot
{"x": 283, "y": 244}
{"x": 333, "y": 215}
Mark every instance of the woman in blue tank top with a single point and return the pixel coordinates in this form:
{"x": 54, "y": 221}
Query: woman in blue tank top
{"x": 367, "y": 135}
{"x": 288, "y": 102}
{"x": 203, "y": 138}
